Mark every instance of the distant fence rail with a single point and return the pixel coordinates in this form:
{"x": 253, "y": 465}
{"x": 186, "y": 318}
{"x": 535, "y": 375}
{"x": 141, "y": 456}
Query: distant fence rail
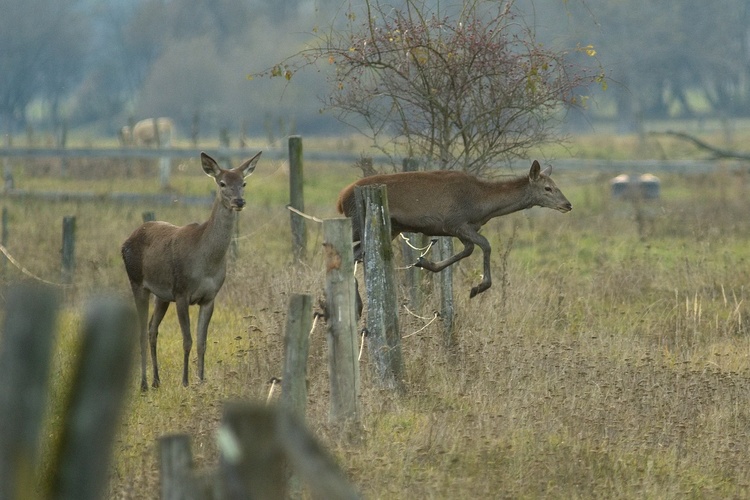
{"x": 156, "y": 153}
{"x": 278, "y": 153}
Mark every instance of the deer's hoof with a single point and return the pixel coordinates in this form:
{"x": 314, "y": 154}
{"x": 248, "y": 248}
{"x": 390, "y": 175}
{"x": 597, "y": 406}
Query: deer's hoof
{"x": 478, "y": 289}
{"x": 422, "y": 263}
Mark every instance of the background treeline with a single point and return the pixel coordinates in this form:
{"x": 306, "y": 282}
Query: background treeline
{"x": 97, "y": 64}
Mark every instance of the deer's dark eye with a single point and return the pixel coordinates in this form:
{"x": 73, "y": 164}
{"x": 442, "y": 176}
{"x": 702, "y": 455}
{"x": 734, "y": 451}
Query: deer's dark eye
{"x": 548, "y": 189}
{"x": 222, "y": 184}
{"x": 244, "y": 184}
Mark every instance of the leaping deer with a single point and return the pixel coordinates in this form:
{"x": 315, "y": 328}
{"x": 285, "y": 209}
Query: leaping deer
{"x": 185, "y": 265}
{"x": 453, "y": 203}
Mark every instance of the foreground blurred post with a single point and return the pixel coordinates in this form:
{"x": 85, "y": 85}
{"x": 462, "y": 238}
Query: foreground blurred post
{"x": 257, "y": 443}
{"x": 97, "y": 396}
{"x": 27, "y": 338}
{"x": 343, "y": 366}
{"x": 384, "y": 338}
{"x": 175, "y": 467}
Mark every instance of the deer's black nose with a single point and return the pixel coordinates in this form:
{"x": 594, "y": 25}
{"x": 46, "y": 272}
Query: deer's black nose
{"x": 239, "y": 203}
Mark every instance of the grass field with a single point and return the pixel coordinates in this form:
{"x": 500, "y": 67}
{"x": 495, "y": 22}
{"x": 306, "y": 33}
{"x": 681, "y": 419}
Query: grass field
{"x": 610, "y": 359}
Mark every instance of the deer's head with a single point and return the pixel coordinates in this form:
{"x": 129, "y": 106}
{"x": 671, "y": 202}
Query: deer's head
{"x": 545, "y": 192}
{"x": 231, "y": 183}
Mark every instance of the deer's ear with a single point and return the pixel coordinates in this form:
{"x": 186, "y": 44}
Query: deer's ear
{"x": 210, "y": 166}
{"x": 534, "y": 171}
{"x": 248, "y": 166}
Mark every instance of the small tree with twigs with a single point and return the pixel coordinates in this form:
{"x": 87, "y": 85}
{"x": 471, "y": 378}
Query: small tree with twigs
{"x": 463, "y": 88}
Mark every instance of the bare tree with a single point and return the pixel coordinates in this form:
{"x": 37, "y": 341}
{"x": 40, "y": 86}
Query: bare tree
{"x": 464, "y": 88}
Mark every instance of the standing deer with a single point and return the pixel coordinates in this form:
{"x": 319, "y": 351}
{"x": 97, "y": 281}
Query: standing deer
{"x": 452, "y": 203}
{"x": 185, "y": 265}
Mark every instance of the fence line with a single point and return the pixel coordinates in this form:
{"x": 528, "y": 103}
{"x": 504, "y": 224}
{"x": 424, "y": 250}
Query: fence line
{"x": 280, "y": 153}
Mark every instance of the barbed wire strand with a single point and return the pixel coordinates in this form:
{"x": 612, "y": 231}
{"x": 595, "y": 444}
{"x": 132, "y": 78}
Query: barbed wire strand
{"x": 436, "y": 315}
{"x": 27, "y": 272}
{"x": 306, "y": 216}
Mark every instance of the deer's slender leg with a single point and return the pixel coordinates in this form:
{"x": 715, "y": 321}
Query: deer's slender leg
{"x": 141, "y": 296}
{"x": 436, "y": 267}
{"x": 160, "y": 309}
{"x": 469, "y": 237}
{"x": 183, "y": 316}
{"x": 486, "y": 277}
{"x": 204, "y": 318}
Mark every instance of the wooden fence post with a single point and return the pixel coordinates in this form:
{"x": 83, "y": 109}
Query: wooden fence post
{"x": 445, "y": 281}
{"x": 99, "y": 384}
{"x": 4, "y": 242}
{"x": 62, "y": 142}
{"x": 257, "y": 443}
{"x": 28, "y": 333}
{"x": 384, "y": 338}
{"x": 68, "y": 249}
{"x": 341, "y": 291}
{"x": 296, "y": 198}
{"x": 296, "y": 348}
{"x": 165, "y": 166}
{"x": 414, "y": 275}
{"x": 175, "y": 466}
{"x": 252, "y": 459}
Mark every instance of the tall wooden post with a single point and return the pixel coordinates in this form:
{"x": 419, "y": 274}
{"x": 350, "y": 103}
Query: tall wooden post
{"x": 384, "y": 339}
{"x": 296, "y": 198}
{"x": 341, "y": 318}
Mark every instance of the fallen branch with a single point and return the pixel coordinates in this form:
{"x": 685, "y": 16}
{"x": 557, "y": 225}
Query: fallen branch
{"x": 717, "y": 152}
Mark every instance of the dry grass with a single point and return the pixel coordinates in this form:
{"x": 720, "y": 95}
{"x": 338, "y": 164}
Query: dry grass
{"x": 615, "y": 366}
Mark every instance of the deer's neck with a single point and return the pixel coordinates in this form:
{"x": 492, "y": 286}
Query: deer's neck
{"x": 217, "y": 231}
{"x": 506, "y": 197}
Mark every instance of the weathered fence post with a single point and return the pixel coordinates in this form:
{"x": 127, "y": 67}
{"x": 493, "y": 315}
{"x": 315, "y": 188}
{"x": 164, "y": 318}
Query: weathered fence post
{"x": 96, "y": 399}
{"x": 68, "y": 249}
{"x": 410, "y": 255}
{"x": 296, "y": 198}
{"x": 384, "y": 338}
{"x": 445, "y": 281}
{"x": 296, "y": 348}
{"x": 341, "y": 318}
{"x": 175, "y": 466}
{"x": 28, "y": 333}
